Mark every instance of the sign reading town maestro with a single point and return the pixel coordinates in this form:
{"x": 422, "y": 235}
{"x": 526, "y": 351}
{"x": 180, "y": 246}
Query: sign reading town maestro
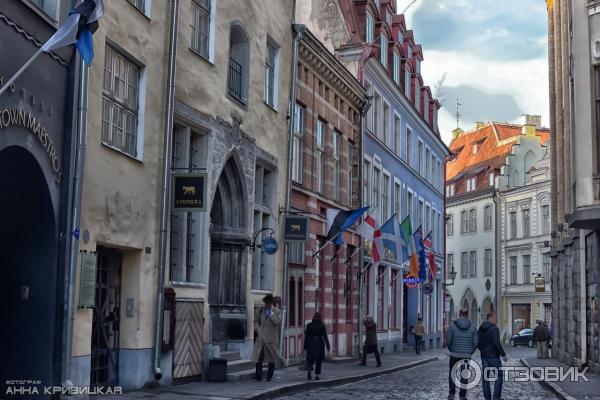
{"x": 296, "y": 228}
{"x": 87, "y": 282}
{"x": 189, "y": 191}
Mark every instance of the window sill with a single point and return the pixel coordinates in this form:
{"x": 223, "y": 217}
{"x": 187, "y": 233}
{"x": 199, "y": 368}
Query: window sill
{"x": 270, "y": 106}
{"x": 191, "y": 285}
{"x": 143, "y": 13}
{"x": 258, "y": 292}
{"x": 237, "y": 101}
{"x": 122, "y": 152}
{"x": 197, "y": 54}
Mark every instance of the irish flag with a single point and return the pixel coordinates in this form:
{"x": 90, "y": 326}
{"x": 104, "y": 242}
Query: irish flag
{"x": 408, "y": 248}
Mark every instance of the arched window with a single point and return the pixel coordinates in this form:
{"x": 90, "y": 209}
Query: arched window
{"x": 239, "y": 63}
{"x": 488, "y": 217}
{"x": 473, "y": 220}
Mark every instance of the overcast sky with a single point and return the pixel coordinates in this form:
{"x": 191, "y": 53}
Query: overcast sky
{"x": 494, "y": 55}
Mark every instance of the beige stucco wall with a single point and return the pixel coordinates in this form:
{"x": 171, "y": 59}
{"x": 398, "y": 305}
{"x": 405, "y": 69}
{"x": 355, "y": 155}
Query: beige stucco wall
{"x": 121, "y": 194}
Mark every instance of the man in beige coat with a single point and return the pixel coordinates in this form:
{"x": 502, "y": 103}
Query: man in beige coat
{"x": 267, "y": 323}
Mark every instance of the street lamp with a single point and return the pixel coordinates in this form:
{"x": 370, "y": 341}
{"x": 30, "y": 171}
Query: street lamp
{"x": 452, "y": 276}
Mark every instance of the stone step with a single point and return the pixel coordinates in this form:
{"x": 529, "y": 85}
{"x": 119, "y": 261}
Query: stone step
{"x": 239, "y": 365}
{"x": 230, "y": 355}
{"x": 242, "y": 376}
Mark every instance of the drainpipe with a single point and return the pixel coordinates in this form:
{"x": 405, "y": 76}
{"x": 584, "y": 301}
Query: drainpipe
{"x": 297, "y": 31}
{"x": 76, "y": 215}
{"x": 166, "y": 192}
{"x": 497, "y": 250}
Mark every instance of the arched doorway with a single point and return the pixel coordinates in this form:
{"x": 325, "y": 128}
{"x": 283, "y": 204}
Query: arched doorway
{"x": 28, "y": 268}
{"x": 228, "y": 256}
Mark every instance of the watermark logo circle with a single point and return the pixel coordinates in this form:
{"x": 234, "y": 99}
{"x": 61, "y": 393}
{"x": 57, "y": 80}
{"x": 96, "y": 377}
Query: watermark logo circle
{"x": 466, "y": 374}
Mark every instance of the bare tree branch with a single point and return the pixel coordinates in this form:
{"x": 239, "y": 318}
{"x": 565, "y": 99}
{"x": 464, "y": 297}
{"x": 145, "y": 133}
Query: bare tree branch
{"x": 438, "y": 89}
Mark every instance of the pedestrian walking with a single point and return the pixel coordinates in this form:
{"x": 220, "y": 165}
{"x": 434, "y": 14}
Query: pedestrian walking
{"x": 491, "y": 350}
{"x": 540, "y": 337}
{"x": 315, "y": 342}
{"x": 418, "y": 332}
{"x": 265, "y": 345}
{"x": 370, "y": 341}
{"x": 548, "y": 338}
{"x": 462, "y": 343}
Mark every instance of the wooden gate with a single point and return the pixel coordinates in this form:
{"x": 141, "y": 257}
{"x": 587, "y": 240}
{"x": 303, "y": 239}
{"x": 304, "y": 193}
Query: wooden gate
{"x": 187, "y": 353}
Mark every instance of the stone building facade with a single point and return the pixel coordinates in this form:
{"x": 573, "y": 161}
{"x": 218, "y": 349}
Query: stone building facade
{"x": 325, "y": 165}
{"x": 524, "y": 234}
{"x": 574, "y": 73}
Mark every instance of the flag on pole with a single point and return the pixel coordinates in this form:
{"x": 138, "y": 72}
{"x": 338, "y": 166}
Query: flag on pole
{"x": 408, "y": 248}
{"x": 78, "y": 29}
{"x": 388, "y": 239}
{"x": 367, "y": 228}
{"x": 430, "y": 254}
{"x": 339, "y": 221}
{"x": 418, "y": 237}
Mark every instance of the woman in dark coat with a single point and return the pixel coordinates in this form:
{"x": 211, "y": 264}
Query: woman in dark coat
{"x": 315, "y": 340}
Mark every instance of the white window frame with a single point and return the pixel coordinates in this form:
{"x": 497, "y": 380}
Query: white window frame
{"x": 211, "y": 30}
{"x": 367, "y": 180}
{"x": 320, "y": 133}
{"x": 488, "y": 267}
{"x": 420, "y": 155}
{"x": 450, "y": 225}
{"x": 409, "y": 146}
{"x": 396, "y": 66}
{"x": 407, "y": 82}
{"x": 385, "y": 126}
{"x": 336, "y": 151}
{"x": 298, "y": 144}
{"x": 370, "y": 28}
{"x": 383, "y": 43}
{"x": 385, "y": 195}
{"x": 275, "y": 84}
{"x": 397, "y": 134}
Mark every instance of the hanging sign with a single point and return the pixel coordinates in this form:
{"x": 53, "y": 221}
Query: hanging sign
{"x": 427, "y": 288}
{"x": 295, "y": 228}
{"x": 189, "y": 191}
{"x": 411, "y": 282}
{"x": 87, "y": 280}
{"x": 540, "y": 284}
{"x": 270, "y": 245}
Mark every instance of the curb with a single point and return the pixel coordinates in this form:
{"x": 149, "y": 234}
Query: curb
{"x": 551, "y": 386}
{"x": 313, "y": 385}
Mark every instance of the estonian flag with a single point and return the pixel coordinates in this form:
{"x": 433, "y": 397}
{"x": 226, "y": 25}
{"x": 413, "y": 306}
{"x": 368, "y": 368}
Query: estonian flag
{"x": 339, "y": 221}
{"x": 78, "y": 29}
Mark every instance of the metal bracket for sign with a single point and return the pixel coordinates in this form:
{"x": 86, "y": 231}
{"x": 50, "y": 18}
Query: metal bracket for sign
{"x": 253, "y": 245}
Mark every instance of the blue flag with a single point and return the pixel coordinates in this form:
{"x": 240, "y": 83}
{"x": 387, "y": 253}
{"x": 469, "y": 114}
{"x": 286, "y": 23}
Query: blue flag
{"x": 420, "y": 247}
{"x": 339, "y": 221}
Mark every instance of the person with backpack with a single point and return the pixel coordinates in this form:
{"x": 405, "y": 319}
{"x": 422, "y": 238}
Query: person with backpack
{"x": 462, "y": 341}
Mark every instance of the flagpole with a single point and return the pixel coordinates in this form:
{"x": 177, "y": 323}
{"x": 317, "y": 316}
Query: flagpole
{"x": 20, "y": 71}
{"x": 326, "y": 243}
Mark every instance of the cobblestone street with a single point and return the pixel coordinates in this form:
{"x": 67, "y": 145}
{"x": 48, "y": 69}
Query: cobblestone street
{"x": 429, "y": 381}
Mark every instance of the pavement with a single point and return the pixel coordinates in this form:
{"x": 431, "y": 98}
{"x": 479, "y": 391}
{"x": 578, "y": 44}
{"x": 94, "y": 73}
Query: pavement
{"x": 285, "y": 381}
{"x": 567, "y": 390}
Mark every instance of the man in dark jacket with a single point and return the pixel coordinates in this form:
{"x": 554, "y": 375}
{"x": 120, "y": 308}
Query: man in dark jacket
{"x": 370, "y": 341}
{"x": 461, "y": 342}
{"x": 541, "y": 337}
{"x": 315, "y": 341}
{"x": 491, "y": 350}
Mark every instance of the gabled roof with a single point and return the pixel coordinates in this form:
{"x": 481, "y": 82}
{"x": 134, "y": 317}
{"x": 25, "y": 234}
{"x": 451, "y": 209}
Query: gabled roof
{"x": 495, "y": 141}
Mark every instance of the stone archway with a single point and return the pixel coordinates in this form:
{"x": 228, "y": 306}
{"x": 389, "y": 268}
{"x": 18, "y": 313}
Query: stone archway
{"x": 28, "y": 268}
{"x": 228, "y": 255}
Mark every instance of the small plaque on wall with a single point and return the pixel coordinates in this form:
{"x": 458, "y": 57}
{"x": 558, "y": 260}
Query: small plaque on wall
{"x": 87, "y": 280}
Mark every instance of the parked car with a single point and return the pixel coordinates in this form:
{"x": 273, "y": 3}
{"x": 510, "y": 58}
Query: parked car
{"x": 523, "y": 338}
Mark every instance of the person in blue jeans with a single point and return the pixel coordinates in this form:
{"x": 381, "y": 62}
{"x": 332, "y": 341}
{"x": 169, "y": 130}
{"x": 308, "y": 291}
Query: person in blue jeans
{"x": 462, "y": 342}
{"x": 491, "y": 350}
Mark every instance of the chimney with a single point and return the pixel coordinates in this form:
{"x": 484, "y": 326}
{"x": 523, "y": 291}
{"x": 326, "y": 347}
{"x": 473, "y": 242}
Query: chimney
{"x": 456, "y": 133}
{"x": 535, "y": 120}
{"x": 479, "y": 124}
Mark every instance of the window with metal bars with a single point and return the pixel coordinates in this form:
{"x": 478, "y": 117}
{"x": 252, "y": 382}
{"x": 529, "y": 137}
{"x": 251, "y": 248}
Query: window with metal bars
{"x": 120, "y": 102}
{"x": 201, "y": 27}
{"x": 271, "y": 73}
{"x": 239, "y": 61}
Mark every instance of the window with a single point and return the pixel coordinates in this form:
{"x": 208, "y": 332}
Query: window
{"x": 546, "y": 266}
{"x": 271, "y": 73}
{"x": 409, "y": 208}
{"x": 464, "y": 222}
{"x": 262, "y": 263}
{"x": 471, "y": 184}
{"x": 386, "y": 119}
{"x": 473, "y": 220}
{"x": 597, "y": 106}
{"x": 239, "y": 62}
{"x": 473, "y": 264}
{"x": 369, "y": 91}
{"x": 50, "y": 7}
{"x": 426, "y": 107}
{"x": 349, "y": 167}
{"x": 397, "y": 128}
{"x": 475, "y": 148}
{"x": 450, "y": 190}
{"x": 488, "y": 218}
{"x": 407, "y": 81}
{"x": 491, "y": 179}
{"x": 420, "y": 216}
{"x": 464, "y": 264}
{"x": 427, "y": 220}
{"x": 396, "y": 68}
{"x": 376, "y": 105}
{"x": 120, "y": 102}
{"x": 189, "y": 151}
{"x": 420, "y": 158}
{"x": 546, "y": 219}
{"x": 297, "y": 145}
{"x": 376, "y": 199}
{"x": 513, "y": 270}
{"x": 527, "y": 269}
{"x": 449, "y": 264}
{"x": 526, "y": 224}
{"x": 201, "y": 22}
{"x": 385, "y": 197}
{"x": 409, "y": 140}
{"x": 320, "y": 154}
{"x": 450, "y": 226}
{"x": 369, "y": 29}
{"x": 417, "y": 96}
{"x": 139, "y": 4}
{"x": 428, "y": 165}
{"x": 488, "y": 262}
{"x": 397, "y": 197}
{"x": 513, "y": 225}
{"x": 383, "y": 51}
{"x": 366, "y": 183}
{"x": 296, "y": 252}
{"x": 410, "y": 52}
{"x": 336, "y": 145}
